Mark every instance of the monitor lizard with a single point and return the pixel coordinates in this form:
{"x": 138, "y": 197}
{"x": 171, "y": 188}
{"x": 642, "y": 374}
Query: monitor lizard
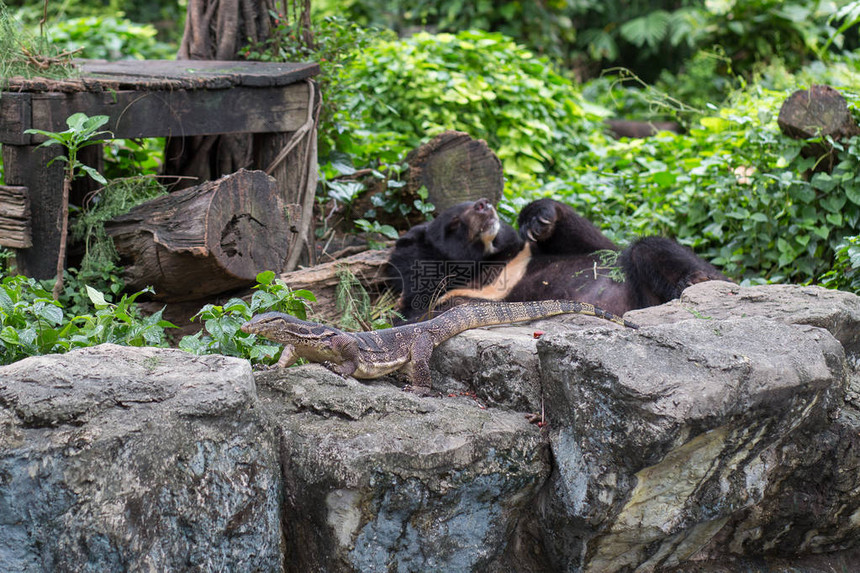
{"x": 408, "y": 348}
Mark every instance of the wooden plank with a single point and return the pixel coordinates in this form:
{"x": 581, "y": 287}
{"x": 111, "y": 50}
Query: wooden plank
{"x": 195, "y": 73}
{"x": 15, "y": 231}
{"x": 14, "y": 118}
{"x": 168, "y": 75}
{"x": 178, "y": 113}
{"x": 14, "y": 202}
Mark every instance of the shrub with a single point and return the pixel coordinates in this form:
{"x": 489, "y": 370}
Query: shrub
{"x": 407, "y": 91}
{"x": 733, "y": 187}
{"x": 33, "y": 323}
{"x": 109, "y": 38}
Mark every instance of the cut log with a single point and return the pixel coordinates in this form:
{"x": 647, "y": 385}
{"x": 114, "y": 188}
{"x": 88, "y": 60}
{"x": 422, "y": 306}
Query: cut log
{"x": 15, "y": 230}
{"x": 205, "y": 240}
{"x": 455, "y": 168}
{"x": 818, "y": 112}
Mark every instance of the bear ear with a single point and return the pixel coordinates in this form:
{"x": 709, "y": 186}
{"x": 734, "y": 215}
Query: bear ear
{"x": 453, "y": 223}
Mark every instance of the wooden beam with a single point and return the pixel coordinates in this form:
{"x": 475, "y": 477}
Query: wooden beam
{"x": 177, "y": 113}
{"x": 15, "y": 230}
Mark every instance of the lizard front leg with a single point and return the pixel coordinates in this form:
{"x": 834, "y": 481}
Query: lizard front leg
{"x": 345, "y": 355}
{"x": 288, "y": 356}
{"x": 418, "y": 368}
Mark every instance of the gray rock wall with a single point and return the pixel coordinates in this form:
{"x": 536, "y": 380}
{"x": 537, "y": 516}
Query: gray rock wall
{"x": 121, "y": 459}
{"x": 722, "y": 436}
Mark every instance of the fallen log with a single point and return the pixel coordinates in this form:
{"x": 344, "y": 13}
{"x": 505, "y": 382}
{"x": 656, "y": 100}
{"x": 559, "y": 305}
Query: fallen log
{"x": 368, "y": 267}
{"x": 206, "y": 240}
{"x": 639, "y": 129}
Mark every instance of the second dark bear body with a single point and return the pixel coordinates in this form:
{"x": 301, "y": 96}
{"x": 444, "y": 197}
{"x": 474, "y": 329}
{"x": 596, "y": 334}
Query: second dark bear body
{"x": 467, "y": 253}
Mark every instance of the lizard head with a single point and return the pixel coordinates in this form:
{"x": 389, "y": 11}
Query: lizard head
{"x": 284, "y": 328}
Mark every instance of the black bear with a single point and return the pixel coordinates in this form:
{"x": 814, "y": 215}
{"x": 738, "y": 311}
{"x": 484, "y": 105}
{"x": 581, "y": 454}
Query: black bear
{"x": 468, "y": 253}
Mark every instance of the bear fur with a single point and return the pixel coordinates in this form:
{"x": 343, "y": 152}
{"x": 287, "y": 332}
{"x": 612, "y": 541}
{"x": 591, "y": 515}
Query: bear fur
{"x": 467, "y": 253}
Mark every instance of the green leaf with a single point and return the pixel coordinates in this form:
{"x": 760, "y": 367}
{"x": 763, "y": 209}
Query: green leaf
{"x": 665, "y": 178}
{"x": 650, "y": 29}
{"x": 97, "y": 298}
{"x": 265, "y": 277}
{"x": 823, "y": 182}
{"x": 93, "y": 173}
{"x": 305, "y": 294}
{"x": 49, "y": 312}
{"x": 853, "y": 194}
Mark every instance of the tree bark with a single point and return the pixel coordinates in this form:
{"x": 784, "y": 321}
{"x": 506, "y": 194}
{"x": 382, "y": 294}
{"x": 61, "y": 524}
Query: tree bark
{"x": 819, "y": 112}
{"x": 216, "y": 30}
{"x": 205, "y": 240}
{"x": 455, "y": 168}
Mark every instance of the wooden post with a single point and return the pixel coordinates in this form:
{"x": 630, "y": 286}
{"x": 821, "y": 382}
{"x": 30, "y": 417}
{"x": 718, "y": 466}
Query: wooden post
{"x": 27, "y": 166}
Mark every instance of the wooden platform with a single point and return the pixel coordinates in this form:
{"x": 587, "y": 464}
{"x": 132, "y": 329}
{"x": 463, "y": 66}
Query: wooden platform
{"x": 156, "y": 98}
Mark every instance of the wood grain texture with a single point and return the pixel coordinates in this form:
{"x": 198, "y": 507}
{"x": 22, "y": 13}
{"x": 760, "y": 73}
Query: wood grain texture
{"x": 204, "y": 240}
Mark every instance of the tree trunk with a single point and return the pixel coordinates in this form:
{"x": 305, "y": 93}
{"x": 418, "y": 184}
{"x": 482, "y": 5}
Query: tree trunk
{"x": 216, "y": 30}
{"x": 205, "y": 240}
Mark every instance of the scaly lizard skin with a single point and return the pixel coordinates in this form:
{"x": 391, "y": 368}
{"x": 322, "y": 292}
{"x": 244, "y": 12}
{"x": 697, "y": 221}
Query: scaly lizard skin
{"x": 373, "y": 354}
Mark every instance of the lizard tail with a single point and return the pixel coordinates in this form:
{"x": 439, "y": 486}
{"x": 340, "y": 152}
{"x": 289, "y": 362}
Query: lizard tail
{"x": 474, "y": 315}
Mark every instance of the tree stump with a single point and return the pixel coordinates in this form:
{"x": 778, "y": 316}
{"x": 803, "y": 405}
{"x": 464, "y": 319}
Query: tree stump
{"x": 819, "y": 112}
{"x": 455, "y": 168}
{"x": 207, "y": 239}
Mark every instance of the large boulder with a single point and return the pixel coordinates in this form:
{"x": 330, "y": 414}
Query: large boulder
{"x": 129, "y": 459}
{"x": 376, "y": 479}
{"x": 663, "y": 436}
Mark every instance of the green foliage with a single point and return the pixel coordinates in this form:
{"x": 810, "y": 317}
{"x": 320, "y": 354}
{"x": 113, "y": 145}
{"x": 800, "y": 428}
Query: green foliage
{"x": 845, "y": 274}
{"x": 374, "y": 229}
{"x": 32, "y": 323}
{"x": 406, "y": 91}
{"x": 222, "y": 322}
{"x": 354, "y": 304}
{"x": 82, "y": 132}
{"x": 130, "y": 157}
{"x": 733, "y": 188}
{"x": 24, "y": 54}
{"x": 100, "y": 260}
{"x": 645, "y": 36}
{"x": 545, "y": 26}
{"x": 336, "y": 43}
{"x": 109, "y": 38}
